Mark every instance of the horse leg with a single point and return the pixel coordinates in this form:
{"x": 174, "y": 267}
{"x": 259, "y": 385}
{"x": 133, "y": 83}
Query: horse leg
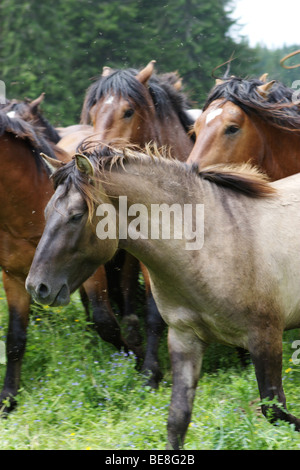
{"x": 266, "y": 354}
{"x": 104, "y": 320}
{"x": 186, "y": 353}
{"x": 18, "y": 305}
{"x": 85, "y": 302}
{"x": 129, "y": 282}
{"x": 155, "y": 327}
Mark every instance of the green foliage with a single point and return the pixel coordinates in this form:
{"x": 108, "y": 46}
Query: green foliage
{"x": 270, "y": 62}
{"x": 58, "y": 50}
{"x": 78, "y": 393}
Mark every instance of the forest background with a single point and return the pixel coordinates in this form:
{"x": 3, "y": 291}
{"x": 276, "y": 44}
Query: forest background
{"x": 59, "y": 48}
{"x": 77, "y": 392}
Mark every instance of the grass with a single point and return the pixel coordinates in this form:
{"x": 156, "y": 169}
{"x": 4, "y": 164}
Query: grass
{"x": 78, "y": 393}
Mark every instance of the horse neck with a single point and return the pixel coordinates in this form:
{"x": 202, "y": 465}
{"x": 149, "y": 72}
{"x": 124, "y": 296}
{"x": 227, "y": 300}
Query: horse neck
{"x": 48, "y": 130}
{"x": 281, "y": 153}
{"x": 147, "y": 185}
{"x": 24, "y": 187}
{"x": 173, "y": 135}
{"x": 141, "y": 181}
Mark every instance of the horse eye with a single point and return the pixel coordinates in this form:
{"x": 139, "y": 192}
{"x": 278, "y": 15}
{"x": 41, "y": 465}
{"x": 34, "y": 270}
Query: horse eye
{"x": 128, "y": 113}
{"x": 230, "y": 130}
{"x": 76, "y": 217}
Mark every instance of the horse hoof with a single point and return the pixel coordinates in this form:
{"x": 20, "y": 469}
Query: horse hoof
{"x": 153, "y": 377}
{"x": 7, "y": 404}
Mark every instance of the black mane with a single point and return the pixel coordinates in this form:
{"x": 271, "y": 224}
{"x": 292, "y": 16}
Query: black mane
{"x": 25, "y": 131}
{"x": 277, "y": 108}
{"x": 36, "y": 118}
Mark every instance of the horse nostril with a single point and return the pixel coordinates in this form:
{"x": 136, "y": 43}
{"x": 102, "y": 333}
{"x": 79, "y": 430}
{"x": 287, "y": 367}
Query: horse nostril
{"x": 43, "y": 291}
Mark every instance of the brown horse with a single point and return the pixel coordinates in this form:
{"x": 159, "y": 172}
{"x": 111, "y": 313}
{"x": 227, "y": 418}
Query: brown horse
{"x": 138, "y": 106}
{"x": 25, "y": 189}
{"x": 249, "y": 121}
{"x": 231, "y": 276}
{"x": 29, "y": 111}
{"x": 95, "y": 291}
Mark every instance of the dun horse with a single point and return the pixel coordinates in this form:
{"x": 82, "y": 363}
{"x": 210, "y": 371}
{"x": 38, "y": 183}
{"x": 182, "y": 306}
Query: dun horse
{"x": 240, "y": 287}
{"x": 249, "y": 121}
{"x": 138, "y": 106}
{"x": 24, "y": 191}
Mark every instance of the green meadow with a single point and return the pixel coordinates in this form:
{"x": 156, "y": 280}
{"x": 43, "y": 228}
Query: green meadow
{"x": 79, "y": 393}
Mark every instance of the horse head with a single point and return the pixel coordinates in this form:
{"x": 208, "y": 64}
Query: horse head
{"x": 119, "y": 105}
{"x": 249, "y": 121}
{"x": 76, "y": 250}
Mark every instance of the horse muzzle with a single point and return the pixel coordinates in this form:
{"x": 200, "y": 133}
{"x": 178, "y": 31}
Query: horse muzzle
{"x": 45, "y": 294}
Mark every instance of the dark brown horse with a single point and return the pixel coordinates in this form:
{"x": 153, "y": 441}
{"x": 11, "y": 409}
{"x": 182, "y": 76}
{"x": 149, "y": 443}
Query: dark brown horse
{"x": 138, "y": 106}
{"x": 249, "y": 121}
{"x": 230, "y": 277}
{"x": 25, "y": 189}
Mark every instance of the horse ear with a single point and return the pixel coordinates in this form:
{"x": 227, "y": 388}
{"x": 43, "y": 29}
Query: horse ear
{"x": 106, "y": 71}
{"x": 264, "y": 89}
{"x": 83, "y": 164}
{"x": 219, "y": 81}
{"x": 51, "y": 163}
{"x": 35, "y": 103}
{"x": 144, "y": 74}
{"x": 263, "y": 77}
{"x": 178, "y": 84}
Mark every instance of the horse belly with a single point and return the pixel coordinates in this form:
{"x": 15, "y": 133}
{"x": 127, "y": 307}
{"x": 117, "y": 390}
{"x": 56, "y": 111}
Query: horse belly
{"x": 210, "y": 325}
{"x": 290, "y": 300}
{"x": 283, "y": 278}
